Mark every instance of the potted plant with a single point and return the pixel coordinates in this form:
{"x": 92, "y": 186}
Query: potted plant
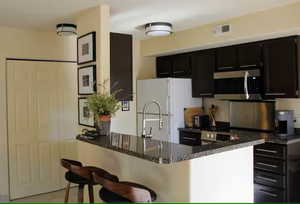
{"x": 104, "y": 105}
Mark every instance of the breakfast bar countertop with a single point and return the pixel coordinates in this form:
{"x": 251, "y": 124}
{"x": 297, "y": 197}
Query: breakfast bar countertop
{"x": 163, "y": 152}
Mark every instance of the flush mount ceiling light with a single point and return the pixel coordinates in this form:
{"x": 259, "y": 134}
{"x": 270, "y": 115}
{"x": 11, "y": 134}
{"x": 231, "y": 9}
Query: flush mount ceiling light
{"x": 158, "y": 29}
{"x": 66, "y": 29}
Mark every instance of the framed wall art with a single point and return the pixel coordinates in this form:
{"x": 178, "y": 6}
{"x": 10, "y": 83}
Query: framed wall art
{"x": 86, "y": 48}
{"x": 86, "y": 80}
{"x": 85, "y": 116}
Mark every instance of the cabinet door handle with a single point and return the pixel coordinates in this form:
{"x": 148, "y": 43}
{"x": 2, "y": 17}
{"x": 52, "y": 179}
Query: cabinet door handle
{"x": 164, "y": 73}
{"x": 268, "y": 151}
{"x": 249, "y": 65}
{"x": 205, "y": 94}
{"x": 268, "y": 165}
{"x": 224, "y": 68}
{"x": 188, "y": 138}
{"x": 267, "y": 179}
{"x": 178, "y": 72}
{"x": 275, "y": 94}
{"x": 268, "y": 193}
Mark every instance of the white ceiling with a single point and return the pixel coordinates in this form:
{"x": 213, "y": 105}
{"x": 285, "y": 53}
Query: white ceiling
{"x": 127, "y": 15}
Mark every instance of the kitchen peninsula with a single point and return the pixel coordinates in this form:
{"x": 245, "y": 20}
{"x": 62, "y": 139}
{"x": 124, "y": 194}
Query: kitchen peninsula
{"x": 220, "y": 171}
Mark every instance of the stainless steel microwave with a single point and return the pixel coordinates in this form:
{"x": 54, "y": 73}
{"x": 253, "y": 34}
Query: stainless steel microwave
{"x": 238, "y": 85}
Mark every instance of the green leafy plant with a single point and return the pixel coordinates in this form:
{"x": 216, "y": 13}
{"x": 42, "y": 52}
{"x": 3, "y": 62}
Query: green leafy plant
{"x": 104, "y": 102}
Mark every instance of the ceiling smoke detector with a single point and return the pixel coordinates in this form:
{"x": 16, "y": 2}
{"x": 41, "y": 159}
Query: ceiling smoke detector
{"x": 66, "y": 29}
{"x": 158, "y": 29}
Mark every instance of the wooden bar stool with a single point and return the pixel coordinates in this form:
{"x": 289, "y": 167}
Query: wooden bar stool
{"x": 82, "y": 176}
{"x": 114, "y": 191}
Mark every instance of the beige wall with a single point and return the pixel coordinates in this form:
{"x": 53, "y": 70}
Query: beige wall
{"x": 265, "y": 24}
{"x": 22, "y": 43}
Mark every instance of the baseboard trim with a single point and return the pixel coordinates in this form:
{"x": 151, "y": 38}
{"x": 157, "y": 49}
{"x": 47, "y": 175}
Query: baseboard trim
{"x": 4, "y": 198}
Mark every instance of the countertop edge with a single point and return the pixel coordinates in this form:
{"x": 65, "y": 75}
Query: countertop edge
{"x": 185, "y": 158}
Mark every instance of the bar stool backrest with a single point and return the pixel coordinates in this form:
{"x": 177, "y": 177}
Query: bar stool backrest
{"x": 66, "y": 163}
{"x": 86, "y": 172}
{"x": 131, "y": 193}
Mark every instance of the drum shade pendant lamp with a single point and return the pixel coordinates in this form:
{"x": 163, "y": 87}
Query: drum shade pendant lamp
{"x": 66, "y": 29}
{"x": 158, "y": 29}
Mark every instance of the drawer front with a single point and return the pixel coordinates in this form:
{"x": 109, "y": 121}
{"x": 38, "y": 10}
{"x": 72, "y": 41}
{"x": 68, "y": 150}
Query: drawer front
{"x": 191, "y": 139}
{"x": 263, "y": 194}
{"x": 270, "y": 150}
{"x": 269, "y": 179}
{"x": 269, "y": 164}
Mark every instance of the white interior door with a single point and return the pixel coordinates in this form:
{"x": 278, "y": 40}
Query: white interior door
{"x": 42, "y": 116}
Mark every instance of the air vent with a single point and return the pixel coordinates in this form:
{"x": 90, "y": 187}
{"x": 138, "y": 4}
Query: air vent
{"x": 222, "y": 29}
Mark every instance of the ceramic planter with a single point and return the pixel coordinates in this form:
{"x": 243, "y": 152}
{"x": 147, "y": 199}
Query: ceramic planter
{"x": 103, "y": 124}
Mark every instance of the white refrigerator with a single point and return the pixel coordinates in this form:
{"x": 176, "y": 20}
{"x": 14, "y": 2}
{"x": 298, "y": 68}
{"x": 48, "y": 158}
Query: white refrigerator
{"x": 174, "y": 95}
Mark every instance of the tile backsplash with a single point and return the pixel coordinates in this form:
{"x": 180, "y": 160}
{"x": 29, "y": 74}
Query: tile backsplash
{"x": 222, "y": 113}
{"x": 281, "y": 104}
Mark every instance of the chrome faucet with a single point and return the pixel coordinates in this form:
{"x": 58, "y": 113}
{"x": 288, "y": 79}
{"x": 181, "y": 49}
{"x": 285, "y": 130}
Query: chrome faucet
{"x": 149, "y": 135}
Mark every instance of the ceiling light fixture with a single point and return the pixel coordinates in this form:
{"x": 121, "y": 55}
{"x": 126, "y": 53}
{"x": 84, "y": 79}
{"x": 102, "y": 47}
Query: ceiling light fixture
{"x": 66, "y": 29}
{"x": 158, "y": 29}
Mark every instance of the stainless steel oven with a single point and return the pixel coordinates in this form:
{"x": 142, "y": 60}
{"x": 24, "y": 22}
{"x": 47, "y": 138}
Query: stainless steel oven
{"x": 240, "y": 85}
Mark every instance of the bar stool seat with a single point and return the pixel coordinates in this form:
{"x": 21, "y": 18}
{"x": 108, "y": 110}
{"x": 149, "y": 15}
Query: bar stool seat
{"x": 111, "y": 197}
{"x": 75, "y": 178}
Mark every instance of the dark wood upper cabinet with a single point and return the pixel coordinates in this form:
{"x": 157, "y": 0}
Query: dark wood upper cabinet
{"x": 181, "y": 66}
{"x": 121, "y": 65}
{"x": 281, "y": 69}
{"x": 226, "y": 59}
{"x": 203, "y": 65}
{"x": 164, "y": 67}
{"x": 177, "y": 66}
{"x": 250, "y": 55}
{"x": 278, "y": 60}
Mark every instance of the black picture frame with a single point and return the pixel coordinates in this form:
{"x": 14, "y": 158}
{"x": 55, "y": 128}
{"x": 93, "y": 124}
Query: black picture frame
{"x": 93, "y": 47}
{"x": 79, "y": 111}
{"x": 94, "y": 79}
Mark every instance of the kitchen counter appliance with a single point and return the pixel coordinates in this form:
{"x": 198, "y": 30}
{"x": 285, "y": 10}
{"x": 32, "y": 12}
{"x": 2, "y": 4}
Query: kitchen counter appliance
{"x": 201, "y": 121}
{"x": 238, "y": 85}
{"x": 284, "y": 122}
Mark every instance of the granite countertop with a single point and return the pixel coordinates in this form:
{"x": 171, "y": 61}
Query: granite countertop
{"x": 163, "y": 152}
{"x": 268, "y": 137}
{"x": 272, "y": 137}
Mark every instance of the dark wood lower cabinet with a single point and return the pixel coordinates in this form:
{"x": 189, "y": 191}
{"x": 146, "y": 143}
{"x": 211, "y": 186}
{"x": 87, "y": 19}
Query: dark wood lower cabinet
{"x": 188, "y": 138}
{"x": 277, "y": 172}
{"x": 265, "y": 194}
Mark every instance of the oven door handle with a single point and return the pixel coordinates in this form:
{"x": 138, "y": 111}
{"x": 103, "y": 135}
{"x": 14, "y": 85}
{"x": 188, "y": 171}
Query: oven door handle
{"x": 246, "y": 84}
